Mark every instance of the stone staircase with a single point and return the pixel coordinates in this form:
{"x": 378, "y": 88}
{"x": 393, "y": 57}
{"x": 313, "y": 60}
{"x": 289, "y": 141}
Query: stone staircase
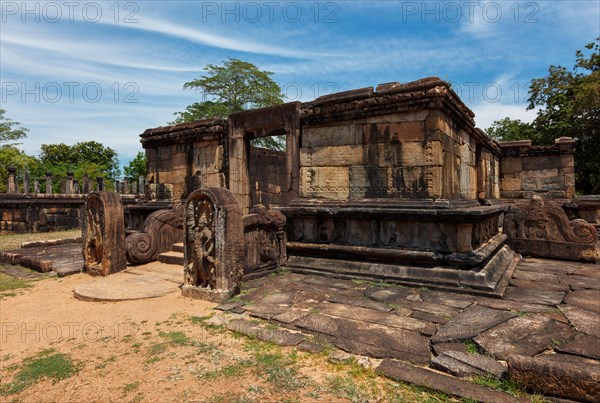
{"x": 174, "y": 256}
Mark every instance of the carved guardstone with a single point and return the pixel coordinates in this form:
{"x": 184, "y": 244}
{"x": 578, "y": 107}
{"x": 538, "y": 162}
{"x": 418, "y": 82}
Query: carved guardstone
{"x": 542, "y": 229}
{"x": 214, "y": 245}
{"x": 103, "y": 230}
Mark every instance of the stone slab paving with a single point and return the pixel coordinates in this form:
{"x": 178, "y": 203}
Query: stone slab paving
{"x": 547, "y": 310}
{"x": 64, "y": 258}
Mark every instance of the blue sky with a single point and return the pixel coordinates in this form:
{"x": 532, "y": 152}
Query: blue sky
{"x": 106, "y": 71}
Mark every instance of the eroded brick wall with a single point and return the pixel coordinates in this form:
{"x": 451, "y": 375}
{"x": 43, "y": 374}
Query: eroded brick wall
{"x": 267, "y": 173}
{"x": 547, "y": 171}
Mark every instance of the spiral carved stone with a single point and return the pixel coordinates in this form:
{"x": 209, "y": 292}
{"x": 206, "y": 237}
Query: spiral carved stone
{"x": 161, "y": 229}
{"x": 140, "y": 248}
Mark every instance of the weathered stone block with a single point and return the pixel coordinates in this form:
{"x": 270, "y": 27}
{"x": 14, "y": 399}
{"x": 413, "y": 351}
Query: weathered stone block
{"x": 434, "y": 153}
{"x": 406, "y": 131}
{"x": 214, "y": 245}
{"x": 410, "y": 181}
{"x": 510, "y": 184}
{"x": 367, "y": 181}
{"x": 510, "y": 165}
{"x": 412, "y": 154}
{"x": 103, "y": 230}
{"x": 331, "y": 156}
{"x": 332, "y": 136}
{"x": 325, "y": 182}
{"x": 539, "y": 173}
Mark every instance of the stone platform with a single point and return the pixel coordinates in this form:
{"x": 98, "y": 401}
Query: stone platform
{"x": 139, "y": 282}
{"x": 547, "y": 326}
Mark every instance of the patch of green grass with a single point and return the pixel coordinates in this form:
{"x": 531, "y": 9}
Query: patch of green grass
{"x": 104, "y": 363}
{"x": 344, "y": 387}
{"x": 176, "y": 338}
{"x": 228, "y": 371}
{"x": 504, "y": 385}
{"x": 157, "y": 348}
{"x": 199, "y": 320}
{"x": 471, "y": 347}
{"x": 229, "y": 397}
{"x": 46, "y": 364}
{"x": 130, "y": 387}
{"x": 9, "y": 283}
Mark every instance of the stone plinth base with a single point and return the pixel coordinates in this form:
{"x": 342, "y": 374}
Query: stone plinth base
{"x": 206, "y": 294}
{"x": 425, "y": 243}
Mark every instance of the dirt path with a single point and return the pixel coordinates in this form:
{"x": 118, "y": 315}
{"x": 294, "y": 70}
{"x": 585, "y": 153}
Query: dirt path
{"x": 162, "y": 350}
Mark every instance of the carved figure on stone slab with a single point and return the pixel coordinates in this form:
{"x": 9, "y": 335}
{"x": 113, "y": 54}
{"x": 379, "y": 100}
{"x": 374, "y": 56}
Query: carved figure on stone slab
{"x": 203, "y": 262}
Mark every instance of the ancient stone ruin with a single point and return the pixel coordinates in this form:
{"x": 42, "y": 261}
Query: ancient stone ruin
{"x": 103, "y": 234}
{"x": 395, "y": 183}
{"x": 214, "y": 250}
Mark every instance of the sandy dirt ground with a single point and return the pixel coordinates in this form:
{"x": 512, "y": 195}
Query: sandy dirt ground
{"x": 160, "y": 350}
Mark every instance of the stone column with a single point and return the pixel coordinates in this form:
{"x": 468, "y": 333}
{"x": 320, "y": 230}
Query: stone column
{"x": 26, "y": 182}
{"x": 100, "y": 183}
{"x": 11, "y": 186}
{"x": 48, "y": 183}
{"x": 36, "y": 186}
{"x": 134, "y": 187}
{"x": 69, "y": 183}
{"x": 117, "y": 186}
{"x": 85, "y": 184}
{"x": 76, "y": 189}
{"x": 126, "y": 186}
{"x": 141, "y": 184}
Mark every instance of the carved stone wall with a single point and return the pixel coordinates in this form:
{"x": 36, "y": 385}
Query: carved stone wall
{"x": 265, "y": 241}
{"x": 160, "y": 231}
{"x": 541, "y": 228}
{"x": 547, "y": 171}
{"x": 402, "y": 141}
{"x": 185, "y": 157}
{"x": 213, "y": 245}
{"x": 103, "y": 231}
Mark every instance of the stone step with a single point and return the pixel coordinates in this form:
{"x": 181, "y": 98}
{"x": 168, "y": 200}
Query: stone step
{"x": 171, "y": 258}
{"x": 177, "y": 247}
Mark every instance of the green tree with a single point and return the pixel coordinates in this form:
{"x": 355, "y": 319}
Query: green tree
{"x": 508, "y": 129}
{"x": 236, "y": 86}
{"x": 12, "y": 156}
{"x": 60, "y": 158}
{"x": 136, "y": 167}
{"x": 569, "y": 105}
{"x": 10, "y": 130}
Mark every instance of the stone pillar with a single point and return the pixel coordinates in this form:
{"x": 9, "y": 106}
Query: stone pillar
{"x": 126, "y": 186}
{"x": 69, "y": 183}
{"x": 141, "y": 185}
{"x": 214, "y": 245}
{"x": 100, "y": 183}
{"x": 26, "y": 183}
{"x": 103, "y": 230}
{"x": 85, "y": 184}
{"x": 134, "y": 187}
{"x": 48, "y": 183}
{"x": 36, "y": 186}
{"x": 11, "y": 186}
{"x": 76, "y": 189}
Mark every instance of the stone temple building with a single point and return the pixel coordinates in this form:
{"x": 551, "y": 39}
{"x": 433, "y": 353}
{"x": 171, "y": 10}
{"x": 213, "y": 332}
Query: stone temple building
{"x": 393, "y": 183}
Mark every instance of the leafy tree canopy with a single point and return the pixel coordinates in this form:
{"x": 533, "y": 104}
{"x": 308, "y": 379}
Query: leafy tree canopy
{"x": 569, "y": 105}
{"x": 10, "y": 130}
{"x": 236, "y": 86}
{"x": 136, "y": 167}
{"x": 62, "y": 157}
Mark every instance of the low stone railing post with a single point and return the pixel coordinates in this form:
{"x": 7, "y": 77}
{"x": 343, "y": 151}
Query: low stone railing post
{"x": 69, "y": 183}
{"x": 76, "y": 189}
{"x": 85, "y": 184}
{"x": 100, "y": 181}
{"x": 26, "y": 182}
{"x": 141, "y": 185}
{"x": 48, "y": 183}
{"x": 36, "y": 186}
{"x": 11, "y": 186}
